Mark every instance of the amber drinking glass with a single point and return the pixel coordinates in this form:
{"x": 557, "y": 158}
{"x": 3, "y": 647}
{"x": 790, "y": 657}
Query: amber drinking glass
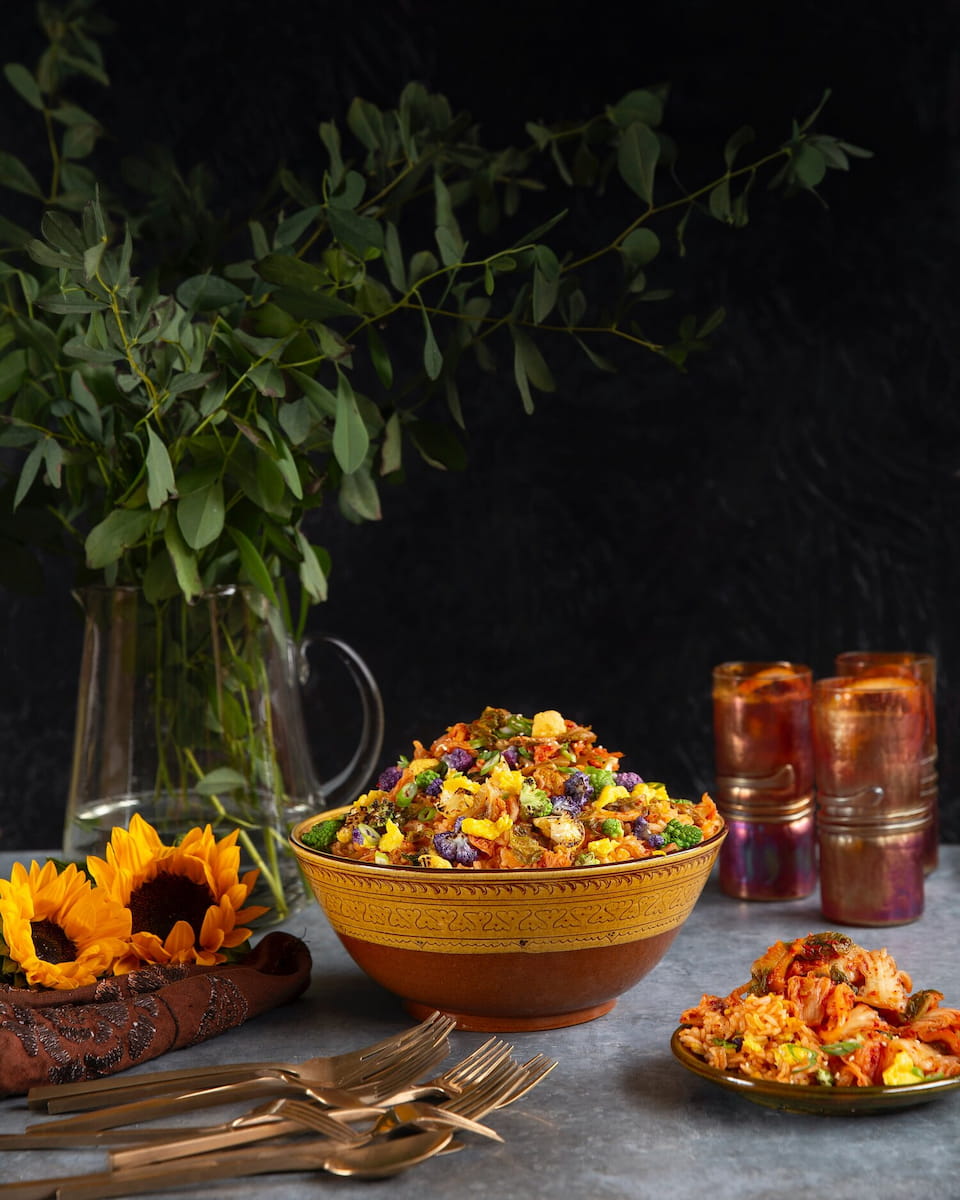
{"x": 763, "y": 760}
{"x": 868, "y": 740}
{"x": 922, "y": 666}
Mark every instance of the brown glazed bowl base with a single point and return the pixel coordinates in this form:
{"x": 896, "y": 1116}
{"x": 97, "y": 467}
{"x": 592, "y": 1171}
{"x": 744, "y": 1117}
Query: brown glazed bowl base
{"x": 472, "y": 1022}
{"x": 511, "y": 992}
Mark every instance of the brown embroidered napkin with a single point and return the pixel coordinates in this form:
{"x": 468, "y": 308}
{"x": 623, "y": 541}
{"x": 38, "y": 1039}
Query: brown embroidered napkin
{"x": 62, "y": 1036}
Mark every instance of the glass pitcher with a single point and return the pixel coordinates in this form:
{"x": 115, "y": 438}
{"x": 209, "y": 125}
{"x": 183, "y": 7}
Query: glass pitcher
{"x": 190, "y": 714}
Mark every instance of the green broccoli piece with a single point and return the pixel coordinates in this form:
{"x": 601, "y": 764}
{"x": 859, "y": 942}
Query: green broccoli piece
{"x": 425, "y": 778}
{"x": 534, "y": 801}
{"x": 598, "y": 778}
{"x": 587, "y": 859}
{"x": 612, "y": 828}
{"x": 682, "y": 836}
{"x": 322, "y": 835}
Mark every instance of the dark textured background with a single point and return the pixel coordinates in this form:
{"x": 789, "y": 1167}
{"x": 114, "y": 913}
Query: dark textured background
{"x": 794, "y": 495}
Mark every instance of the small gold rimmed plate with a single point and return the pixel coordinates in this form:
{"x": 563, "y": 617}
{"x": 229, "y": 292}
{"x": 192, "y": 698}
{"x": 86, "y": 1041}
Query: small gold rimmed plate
{"x": 822, "y": 1101}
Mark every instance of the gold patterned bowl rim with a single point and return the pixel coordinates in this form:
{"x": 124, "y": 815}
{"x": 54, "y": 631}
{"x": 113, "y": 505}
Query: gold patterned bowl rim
{"x": 499, "y": 874}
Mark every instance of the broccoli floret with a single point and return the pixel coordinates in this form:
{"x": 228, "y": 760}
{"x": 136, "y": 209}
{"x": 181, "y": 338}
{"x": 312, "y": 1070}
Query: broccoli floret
{"x": 322, "y": 835}
{"x": 599, "y": 779}
{"x": 377, "y": 814}
{"x": 534, "y": 801}
{"x": 682, "y": 836}
{"x": 612, "y": 828}
{"x": 587, "y": 859}
{"x": 425, "y": 778}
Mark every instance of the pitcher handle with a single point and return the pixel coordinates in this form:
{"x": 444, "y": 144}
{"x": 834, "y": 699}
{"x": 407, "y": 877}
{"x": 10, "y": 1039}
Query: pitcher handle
{"x": 345, "y": 785}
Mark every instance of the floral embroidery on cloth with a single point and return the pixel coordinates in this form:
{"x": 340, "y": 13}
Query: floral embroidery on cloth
{"x": 105, "y": 1027}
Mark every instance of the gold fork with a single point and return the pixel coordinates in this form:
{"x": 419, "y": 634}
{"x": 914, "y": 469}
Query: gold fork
{"x": 337, "y": 1070}
{"x": 289, "y": 1115}
{"x": 382, "y": 1085}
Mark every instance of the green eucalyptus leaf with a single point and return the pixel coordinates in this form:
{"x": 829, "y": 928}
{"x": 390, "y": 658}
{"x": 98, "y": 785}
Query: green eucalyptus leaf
{"x": 640, "y": 247}
{"x": 350, "y": 438}
{"x": 640, "y": 105}
{"x": 159, "y": 579}
{"x": 15, "y": 175}
{"x": 719, "y": 201}
{"x": 23, "y": 82}
{"x": 393, "y": 257}
{"x": 534, "y": 364}
{"x": 64, "y": 234}
{"x": 13, "y": 371}
{"x": 313, "y": 306}
{"x": 422, "y": 263}
{"x": 380, "y": 357}
{"x": 253, "y": 565}
{"x": 321, "y": 398}
{"x": 160, "y": 478}
{"x": 114, "y": 535}
{"x": 359, "y": 234}
{"x": 598, "y": 360}
{"x": 220, "y": 779}
{"x": 432, "y": 357}
{"x": 46, "y": 256}
{"x": 291, "y": 229}
{"x": 637, "y": 156}
{"x": 29, "y": 471}
{"x": 296, "y": 419}
{"x": 391, "y": 451}
{"x": 330, "y": 136}
{"x": 200, "y": 514}
{"x": 311, "y": 572}
{"x": 184, "y": 561}
{"x": 205, "y": 293}
{"x": 89, "y": 412}
{"x": 809, "y": 165}
{"x": 358, "y": 493}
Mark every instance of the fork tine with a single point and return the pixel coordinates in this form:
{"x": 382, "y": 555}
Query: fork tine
{"x": 476, "y": 1065}
{"x": 401, "y": 1073}
{"x": 486, "y": 1095}
{"x": 535, "y": 1070}
{"x": 434, "y": 1031}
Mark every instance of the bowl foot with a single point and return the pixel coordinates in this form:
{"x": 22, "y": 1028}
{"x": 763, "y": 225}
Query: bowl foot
{"x": 479, "y": 1023}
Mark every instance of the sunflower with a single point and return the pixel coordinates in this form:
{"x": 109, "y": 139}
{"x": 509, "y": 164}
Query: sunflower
{"x": 58, "y": 930}
{"x": 186, "y": 901}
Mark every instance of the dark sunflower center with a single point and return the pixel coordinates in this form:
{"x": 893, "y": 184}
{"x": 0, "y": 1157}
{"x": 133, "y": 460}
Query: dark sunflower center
{"x": 51, "y": 943}
{"x": 157, "y": 905}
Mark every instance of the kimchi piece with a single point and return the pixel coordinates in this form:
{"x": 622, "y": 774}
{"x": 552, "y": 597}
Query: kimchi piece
{"x": 510, "y": 791}
{"x": 822, "y": 1011}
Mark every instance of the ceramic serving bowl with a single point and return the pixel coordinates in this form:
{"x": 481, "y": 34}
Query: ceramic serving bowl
{"x": 507, "y": 949}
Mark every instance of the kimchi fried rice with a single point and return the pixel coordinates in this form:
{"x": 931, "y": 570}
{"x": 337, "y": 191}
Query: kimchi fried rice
{"x": 506, "y": 790}
{"x": 823, "y": 1011}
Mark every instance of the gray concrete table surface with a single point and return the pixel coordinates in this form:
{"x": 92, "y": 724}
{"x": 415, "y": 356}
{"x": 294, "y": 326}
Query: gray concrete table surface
{"x": 619, "y": 1117}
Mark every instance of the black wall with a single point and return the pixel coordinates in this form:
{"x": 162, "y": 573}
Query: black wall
{"x": 793, "y": 495}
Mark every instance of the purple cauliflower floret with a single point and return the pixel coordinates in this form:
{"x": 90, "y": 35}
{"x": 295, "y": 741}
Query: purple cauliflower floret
{"x": 434, "y": 787}
{"x": 577, "y": 791}
{"x": 627, "y": 779}
{"x": 566, "y": 806}
{"x": 388, "y": 778}
{"x": 458, "y": 759}
{"x": 511, "y": 756}
{"x": 455, "y": 847}
{"x": 641, "y": 829}
{"x": 656, "y": 840}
